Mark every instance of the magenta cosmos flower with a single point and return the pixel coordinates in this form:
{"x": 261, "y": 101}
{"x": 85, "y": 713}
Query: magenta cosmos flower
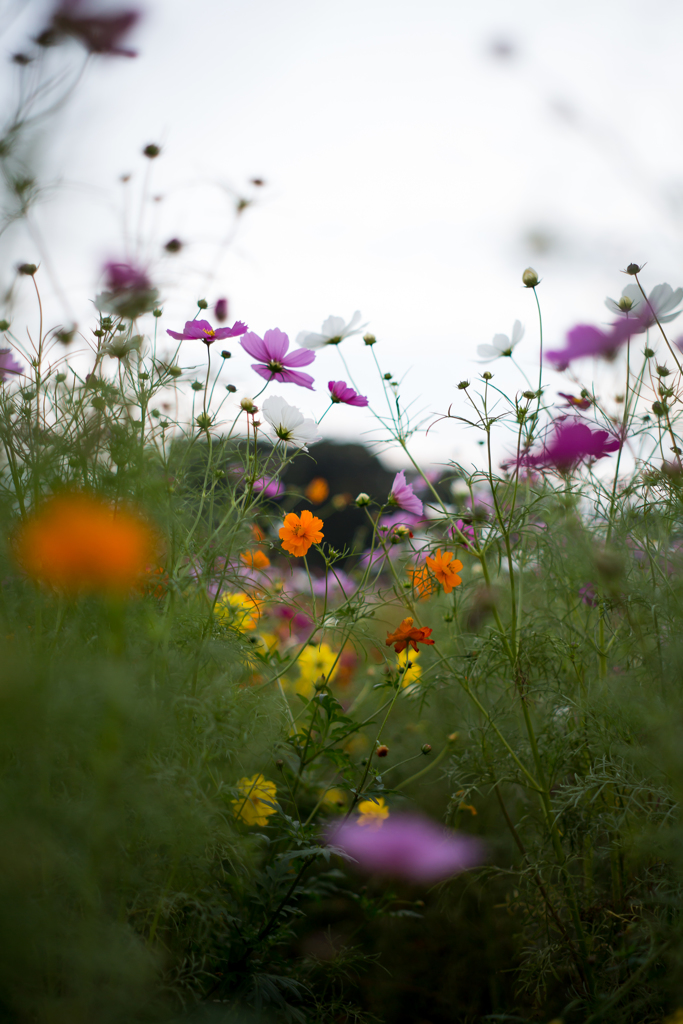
{"x": 403, "y": 496}
{"x": 201, "y": 330}
{"x": 407, "y": 846}
{"x": 339, "y": 392}
{"x": 99, "y": 33}
{"x": 571, "y": 443}
{"x": 275, "y": 363}
{"x": 8, "y": 363}
{"x": 128, "y": 291}
{"x": 586, "y": 340}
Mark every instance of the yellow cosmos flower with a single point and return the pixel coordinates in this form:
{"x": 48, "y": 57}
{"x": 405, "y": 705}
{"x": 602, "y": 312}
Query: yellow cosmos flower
{"x": 316, "y": 663}
{"x": 372, "y": 813}
{"x": 408, "y": 667}
{"x": 334, "y": 800}
{"x": 256, "y": 800}
{"x": 238, "y": 610}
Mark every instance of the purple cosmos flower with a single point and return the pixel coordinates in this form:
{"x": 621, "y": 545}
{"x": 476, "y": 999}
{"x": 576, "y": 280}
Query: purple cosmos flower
{"x": 201, "y": 330}
{"x": 408, "y": 846}
{"x": 221, "y": 310}
{"x": 572, "y": 402}
{"x": 586, "y": 340}
{"x": 8, "y": 363}
{"x": 128, "y": 291}
{"x": 572, "y": 442}
{"x": 337, "y": 581}
{"x": 401, "y": 519}
{"x": 588, "y": 595}
{"x": 274, "y": 362}
{"x": 339, "y": 392}
{"x": 403, "y": 496}
{"x": 269, "y": 486}
{"x": 99, "y": 33}
{"x": 461, "y": 527}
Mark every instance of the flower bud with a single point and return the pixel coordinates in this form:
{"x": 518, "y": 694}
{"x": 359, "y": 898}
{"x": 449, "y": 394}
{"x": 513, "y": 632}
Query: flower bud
{"x": 174, "y": 371}
{"x": 231, "y": 388}
{"x": 157, "y": 313}
{"x": 248, "y": 405}
{"x": 279, "y": 764}
{"x": 202, "y": 303}
{"x": 663, "y": 371}
{"x": 173, "y": 245}
{"x": 4, "y": 325}
{"x": 221, "y": 310}
{"x": 625, "y": 303}
{"x": 648, "y": 353}
{"x": 151, "y": 151}
{"x": 486, "y": 375}
{"x": 28, "y": 269}
{"x": 659, "y": 408}
{"x": 453, "y": 737}
{"x": 204, "y": 421}
{"x": 633, "y": 269}
{"x": 225, "y": 354}
{"x": 463, "y": 385}
{"x": 197, "y": 385}
{"x": 60, "y": 378}
{"x": 530, "y": 278}
{"x": 426, "y": 748}
{"x": 369, "y": 339}
{"x": 362, "y": 499}
{"x": 382, "y": 750}
{"x": 388, "y": 376}
{"x": 529, "y": 395}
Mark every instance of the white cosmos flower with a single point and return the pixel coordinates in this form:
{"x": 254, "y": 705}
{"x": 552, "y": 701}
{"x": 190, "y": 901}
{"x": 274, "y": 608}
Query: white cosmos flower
{"x": 501, "y": 344}
{"x": 289, "y": 424}
{"x": 662, "y": 298}
{"x": 334, "y": 330}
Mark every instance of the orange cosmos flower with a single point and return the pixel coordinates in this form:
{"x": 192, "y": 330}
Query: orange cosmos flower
{"x": 77, "y": 542}
{"x": 422, "y": 581}
{"x": 445, "y": 569}
{"x": 318, "y": 490}
{"x": 299, "y": 532}
{"x": 407, "y": 634}
{"x": 255, "y": 559}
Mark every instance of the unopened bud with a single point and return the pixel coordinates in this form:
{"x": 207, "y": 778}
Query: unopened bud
{"x": 633, "y": 269}
{"x": 369, "y": 339}
{"x": 388, "y": 376}
{"x": 529, "y": 395}
{"x": 530, "y": 278}
{"x": 279, "y": 764}
{"x": 157, "y": 313}
{"x": 382, "y": 750}
{"x": 151, "y": 151}
{"x": 453, "y": 737}
{"x": 225, "y": 354}
{"x": 197, "y": 385}
{"x": 625, "y": 303}
{"x": 659, "y": 408}
{"x": 174, "y": 371}
{"x": 173, "y": 245}
{"x": 426, "y": 748}
{"x": 663, "y": 371}
{"x": 648, "y": 353}
{"x": 248, "y": 405}
{"x": 204, "y": 421}
{"x": 463, "y": 385}
{"x": 4, "y": 325}
{"x": 27, "y": 268}
{"x": 487, "y": 375}
{"x": 362, "y": 499}
{"x": 202, "y": 303}
{"x": 231, "y": 388}
{"x": 60, "y": 378}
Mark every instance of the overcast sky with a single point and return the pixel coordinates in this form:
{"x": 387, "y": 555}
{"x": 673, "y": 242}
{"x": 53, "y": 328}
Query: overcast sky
{"x": 418, "y": 156}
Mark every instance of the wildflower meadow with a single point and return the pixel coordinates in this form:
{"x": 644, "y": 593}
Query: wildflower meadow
{"x": 274, "y": 750}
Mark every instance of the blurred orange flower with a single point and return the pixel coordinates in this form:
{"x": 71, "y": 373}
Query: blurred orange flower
{"x": 318, "y": 490}
{"x": 445, "y": 569}
{"x": 408, "y": 634}
{"x": 255, "y": 559}
{"x": 299, "y": 532}
{"x": 422, "y": 581}
{"x": 78, "y": 542}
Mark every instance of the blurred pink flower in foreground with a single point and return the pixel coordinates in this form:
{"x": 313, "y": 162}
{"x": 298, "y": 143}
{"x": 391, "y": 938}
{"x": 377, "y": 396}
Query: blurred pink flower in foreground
{"x": 571, "y": 443}
{"x": 408, "y": 846}
{"x": 221, "y": 310}
{"x": 8, "y": 363}
{"x": 128, "y": 291}
{"x": 99, "y": 33}
{"x": 275, "y": 362}
{"x": 403, "y": 496}
{"x": 586, "y": 340}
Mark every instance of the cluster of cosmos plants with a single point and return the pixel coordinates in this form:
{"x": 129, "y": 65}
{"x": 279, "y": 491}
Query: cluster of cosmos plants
{"x": 497, "y": 608}
{"x": 427, "y": 772}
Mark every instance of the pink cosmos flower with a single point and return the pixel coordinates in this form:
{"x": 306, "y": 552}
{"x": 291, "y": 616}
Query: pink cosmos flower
{"x": 461, "y": 527}
{"x": 274, "y": 362}
{"x": 128, "y": 291}
{"x": 201, "y": 330}
{"x": 403, "y": 496}
{"x": 269, "y": 486}
{"x": 571, "y": 443}
{"x": 339, "y": 392}
{"x": 221, "y": 310}
{"x": 8, "y": 363}
{"x": 99, "y": 33}
{"x": 586, "y": 340}
{"x": 407, "y": 846}
{"x": 572, "y": 402}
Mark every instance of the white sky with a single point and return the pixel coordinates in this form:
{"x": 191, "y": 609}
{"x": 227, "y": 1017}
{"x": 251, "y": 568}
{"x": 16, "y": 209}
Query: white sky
{"x": 407, "y": 171}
